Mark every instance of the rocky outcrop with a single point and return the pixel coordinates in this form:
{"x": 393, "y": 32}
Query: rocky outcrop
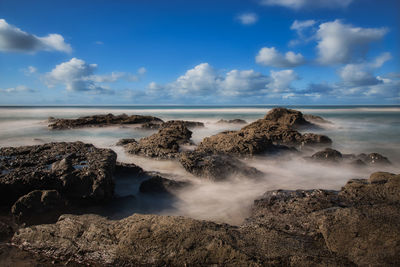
{"x": 288, "y": 117}
{"x": 163, "y": 144}
{"x": 327, "y": 155}
{"x": 217, "y": 167}
{"x": 39, "y": 206}
{"x": 374, "y": 159}
{"x": 100, "y": 121}
{"x": 355, "y": 226}
{"x": 316, "y": 119}
{"x": 233, "y": 121}
{"x": 78, "y": 171}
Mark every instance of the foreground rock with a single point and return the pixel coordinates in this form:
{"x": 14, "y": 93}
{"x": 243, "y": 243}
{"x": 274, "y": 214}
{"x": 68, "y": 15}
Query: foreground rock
{"x": 78, "y": 171}
{"x": 100, "y": 121}
{"x": 216, "y": 167}
{"x": 39, "y": 206}
{"x": 355, "y": 226}
{"x": 163, "y": 144}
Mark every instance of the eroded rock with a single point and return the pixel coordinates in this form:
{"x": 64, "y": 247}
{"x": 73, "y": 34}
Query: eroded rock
{"x": 100, "y": 121}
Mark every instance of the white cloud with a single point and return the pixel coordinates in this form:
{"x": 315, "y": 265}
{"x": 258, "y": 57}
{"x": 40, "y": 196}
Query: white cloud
{"x": 204, "y": 81}
{"x": 362, "y": 74}
{"x": 245, "y": 82}
{"x": 343, "y": 43}
{"x": 13, "y": 39}
{"x": 198, "y": 81}
{"x": 299, "y": 4}
{"x": 142, "y": 70}
{"x": 248, "y": 18}
{"x": 299, "y": 25}
{"x": 271, "y": 57}
{"x": 304, "y": 29}
{"x": 29, "y": 70}
{"x": 17, "y": 89}
{"x": 282, "y": 80}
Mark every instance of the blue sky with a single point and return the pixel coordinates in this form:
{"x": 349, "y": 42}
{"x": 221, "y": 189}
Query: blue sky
{"x": 199, "y": 52}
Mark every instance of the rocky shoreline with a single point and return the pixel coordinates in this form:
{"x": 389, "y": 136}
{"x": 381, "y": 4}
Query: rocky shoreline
{"x": 52, "y": 199}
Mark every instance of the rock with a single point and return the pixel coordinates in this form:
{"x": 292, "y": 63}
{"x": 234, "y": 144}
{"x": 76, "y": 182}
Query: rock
{"x": 187, "y": 124}
{"x": 161, "y": 185}
{"x": 100, "y": 121}
{"x": 128, "y": 170}
{"x": 312, "y": 139}
{"x": 6, "y": 231}
{"x": 374, "y": 159}
{"x": 80, "y": 172}
{"x": 150, "y": 126}
{"x": 137, "y": 240}
{"x": 234, "y": 121}
{"x": 39, "y": 206}
{"x": 315, "y": 119}
{"x": 285, "y": 228}
{"x": 327, "y": 155}
{"x": 163, "y": 144}
{"x": 216, "y": 167}
{"x": 125, "y": 141}
{"x": 288, "y": 117}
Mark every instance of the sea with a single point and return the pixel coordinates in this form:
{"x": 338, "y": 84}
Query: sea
{"x": 354, "y": 130}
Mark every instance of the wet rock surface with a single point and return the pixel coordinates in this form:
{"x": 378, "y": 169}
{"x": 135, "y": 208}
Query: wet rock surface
{"x": 217, "y": 167}
{"x": 100, "y": 121}
{"x": 187, "y": 124}
{"x": 327, "y": 155}
{"x": 333, "y": 156}
{"x": 78, "y": 171}
{"x": 163, "y": 144}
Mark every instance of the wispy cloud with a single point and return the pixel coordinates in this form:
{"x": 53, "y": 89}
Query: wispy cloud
{"x": 247, "y": 18}
{"x": 300, "y": 4}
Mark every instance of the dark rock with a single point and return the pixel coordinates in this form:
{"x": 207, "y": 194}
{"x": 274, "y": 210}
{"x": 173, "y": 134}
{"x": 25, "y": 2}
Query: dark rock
{"x": 312, "y": 139}
{"x": 234, "y": 121}
{"x": 374, "y": 159}
{"x": 161, "y": 185}
{"x": 128, "y": 170}
{"x": 100, "y": 121}
{"x": 78, "y": 171}
{"x": 327, "y": 155}
{"x": 125, "y": 141}
{"x": 163, "y": 144}
{"x": 187, "y": 124}
{"x": 216, "y": 167}
{"x": 6, "y": 231}
{"x": 39, "y": 206}
{"x": 150, "y": 126}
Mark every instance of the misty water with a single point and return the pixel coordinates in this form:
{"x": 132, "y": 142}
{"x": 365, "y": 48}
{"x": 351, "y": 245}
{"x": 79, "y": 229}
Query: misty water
{"x": 354, "y": 129}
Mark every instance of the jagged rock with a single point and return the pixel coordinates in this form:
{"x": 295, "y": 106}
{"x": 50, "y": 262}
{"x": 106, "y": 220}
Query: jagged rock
{"x": 161, "y": 185}
{"x": 288, "y": 117}
{"x": 234, "y": 121}
{"x": 163, "y": 144}
{"x": 100, "y": 121}
{"x": 39, "y": 206}
{"x": 216, "y": 166}
{"x": 313, "y": 139}
{"x": 327, "y": 155}
{"x": 286, "y": 228}
{"x": 78, "y": 171}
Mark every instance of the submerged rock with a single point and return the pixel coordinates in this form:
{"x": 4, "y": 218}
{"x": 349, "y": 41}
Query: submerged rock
{"x": 374, "y": 159}
{"x": 327, "y": 155}
{"x": 187, "y": 124}
{"x": 216, "y": 167}
{"x": 100, "y": 121}
{"x": 80, "y": 172}
{"x": 163, "y": 144}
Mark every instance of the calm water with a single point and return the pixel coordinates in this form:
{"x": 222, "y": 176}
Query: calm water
{"x": 355, "y": 129}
